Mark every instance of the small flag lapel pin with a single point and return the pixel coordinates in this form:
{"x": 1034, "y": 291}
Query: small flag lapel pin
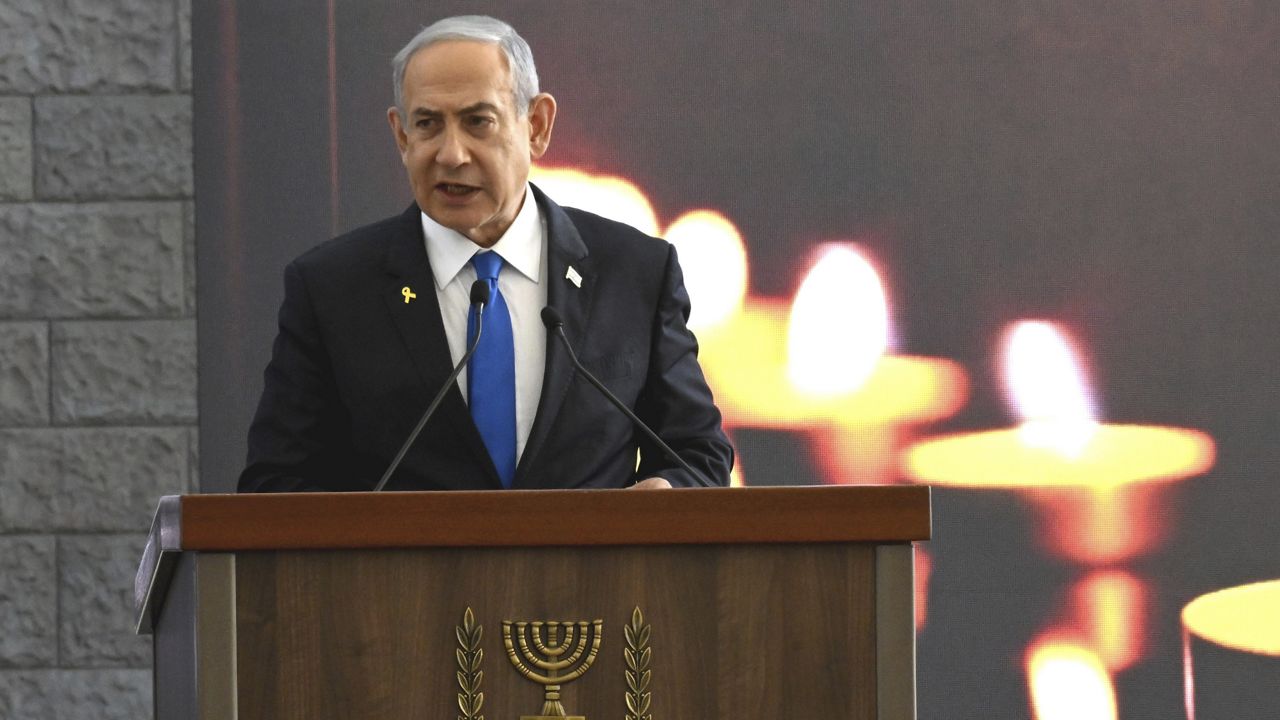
{"x": 574, "y": 277}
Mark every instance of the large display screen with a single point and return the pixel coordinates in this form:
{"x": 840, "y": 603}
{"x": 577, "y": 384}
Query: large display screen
{"x": 1025, "y": 253}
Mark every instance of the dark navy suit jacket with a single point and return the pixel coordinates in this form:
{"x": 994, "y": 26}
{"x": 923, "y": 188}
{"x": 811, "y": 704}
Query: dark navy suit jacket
{"x": 354, "y": 366}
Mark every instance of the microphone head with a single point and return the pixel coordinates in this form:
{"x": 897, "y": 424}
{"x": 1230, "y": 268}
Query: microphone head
{"x": 551, "y": 318}
{"x": 480, "y": 292}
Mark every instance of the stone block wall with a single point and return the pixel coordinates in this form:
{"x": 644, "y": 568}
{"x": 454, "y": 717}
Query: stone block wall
{"x": 97, "y": 338}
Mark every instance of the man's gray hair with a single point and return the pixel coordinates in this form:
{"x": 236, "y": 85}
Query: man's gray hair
{"x": 481, "y": 28}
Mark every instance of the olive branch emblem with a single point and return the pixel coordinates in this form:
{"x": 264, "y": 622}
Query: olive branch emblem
{"x": 638, "y": 654}
{"x": 470, "y": 655}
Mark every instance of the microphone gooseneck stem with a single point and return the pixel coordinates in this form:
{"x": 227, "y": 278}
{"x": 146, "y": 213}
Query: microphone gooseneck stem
{"x": 558, "y": 328}
{"x": 431, "y": 409}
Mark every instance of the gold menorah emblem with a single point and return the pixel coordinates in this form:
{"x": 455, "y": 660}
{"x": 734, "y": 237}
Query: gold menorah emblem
{"x": 542, "y": 657}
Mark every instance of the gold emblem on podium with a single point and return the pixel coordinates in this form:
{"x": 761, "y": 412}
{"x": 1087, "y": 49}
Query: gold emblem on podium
{"x": 638, "y": 654}
{"x": 469, "y": 656}
{"x": 552, "y": 654}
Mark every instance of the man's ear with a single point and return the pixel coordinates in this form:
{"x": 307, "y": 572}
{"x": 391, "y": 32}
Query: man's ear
{"x": 397, "y": 130}
{"x": 542, "y": 117}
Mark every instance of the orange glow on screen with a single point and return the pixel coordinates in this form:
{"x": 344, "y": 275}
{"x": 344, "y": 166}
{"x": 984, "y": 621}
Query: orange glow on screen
{"x": 1111, "y": 606}
{"x": 1116, "y": 456}
{"x": 746, "y": 364}
{"x": 735, "y": 475}
{"x": 923, "y": 567}
{"x": 1068, "y": 682}
{"x": 1106, "y": 525}
{"x": 713, "y": 257}
{"x": 839, "y": 326}
{"x": 1104, "y": 506}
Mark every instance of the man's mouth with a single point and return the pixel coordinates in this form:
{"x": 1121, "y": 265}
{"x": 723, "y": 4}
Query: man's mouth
{"x": 456, "y": 189}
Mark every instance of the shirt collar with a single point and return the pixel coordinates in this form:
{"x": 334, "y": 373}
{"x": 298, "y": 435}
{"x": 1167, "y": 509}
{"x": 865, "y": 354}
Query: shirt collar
{"x": 520, "y": 246}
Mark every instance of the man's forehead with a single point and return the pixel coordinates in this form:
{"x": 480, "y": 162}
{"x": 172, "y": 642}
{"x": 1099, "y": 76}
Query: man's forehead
{"x": 455, "y": 76}
{"x": 457, "y": 64}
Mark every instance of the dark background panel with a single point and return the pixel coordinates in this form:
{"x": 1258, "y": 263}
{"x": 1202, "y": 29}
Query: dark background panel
{"x": 263, "y": 178}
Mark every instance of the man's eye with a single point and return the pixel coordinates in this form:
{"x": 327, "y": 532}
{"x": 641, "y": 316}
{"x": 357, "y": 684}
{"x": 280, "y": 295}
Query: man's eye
{"x": 480, "y": 121}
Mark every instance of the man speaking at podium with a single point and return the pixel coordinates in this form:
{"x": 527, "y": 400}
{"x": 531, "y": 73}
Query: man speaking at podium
{"x": 374, "y": 322}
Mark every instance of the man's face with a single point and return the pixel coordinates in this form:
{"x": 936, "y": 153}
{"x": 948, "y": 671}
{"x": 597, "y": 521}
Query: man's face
{"x": 465, "y": 145}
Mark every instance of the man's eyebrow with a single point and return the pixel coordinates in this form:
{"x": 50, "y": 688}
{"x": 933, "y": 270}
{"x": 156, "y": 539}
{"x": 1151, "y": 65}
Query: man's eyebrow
{"x": 479, "y": 107}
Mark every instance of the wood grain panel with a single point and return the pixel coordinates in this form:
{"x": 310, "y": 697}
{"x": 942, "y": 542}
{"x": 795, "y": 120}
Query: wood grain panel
{"x": 555, "y": 517}
{"x": 739, "y": 631}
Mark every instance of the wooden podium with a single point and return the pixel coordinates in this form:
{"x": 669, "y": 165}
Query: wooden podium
{"x": 715, "y": 604}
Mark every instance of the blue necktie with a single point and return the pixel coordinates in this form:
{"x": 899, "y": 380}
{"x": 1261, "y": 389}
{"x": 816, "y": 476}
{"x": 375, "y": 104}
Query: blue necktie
{"x": 491, "y": 374}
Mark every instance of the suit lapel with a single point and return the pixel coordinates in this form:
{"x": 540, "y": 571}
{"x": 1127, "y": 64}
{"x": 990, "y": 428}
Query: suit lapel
{"x": 422, "y": 331}
{"x": 565, "y": 250}
{"x": 418, "y": 317}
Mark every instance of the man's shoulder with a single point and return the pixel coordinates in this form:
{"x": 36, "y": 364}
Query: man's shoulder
{"x": 598, "y": 232}
{"x": 604, "y": 236}
{"x": 587, "y": 221}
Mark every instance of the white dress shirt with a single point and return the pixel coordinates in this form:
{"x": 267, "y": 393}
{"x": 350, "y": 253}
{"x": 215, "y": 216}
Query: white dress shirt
{"x": 523, "y": 250}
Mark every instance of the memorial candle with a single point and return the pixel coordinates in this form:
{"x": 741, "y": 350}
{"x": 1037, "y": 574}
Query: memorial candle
{"x": 1099, "y": 483}
{"x": 818, "y": 366}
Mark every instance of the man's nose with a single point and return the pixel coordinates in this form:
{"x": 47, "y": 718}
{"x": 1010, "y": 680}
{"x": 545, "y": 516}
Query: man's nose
{"x": 453, "y": 149}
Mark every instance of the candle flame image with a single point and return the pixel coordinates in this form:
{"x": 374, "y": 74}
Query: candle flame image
{"x": 1067, "y": 681}
{"x": 713, "y": 257}
{"x": 1106, "y": 470}
{"x": 839, "y": 326}
{"x": 1048, "y": 389}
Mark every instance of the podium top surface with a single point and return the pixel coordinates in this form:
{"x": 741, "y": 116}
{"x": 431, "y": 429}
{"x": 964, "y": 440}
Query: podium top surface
{"x": 544, "y": 518}
{"x": 521, "y": 518}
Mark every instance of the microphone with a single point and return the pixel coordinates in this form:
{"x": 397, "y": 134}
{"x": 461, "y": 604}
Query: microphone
{"x": 479, "y": 298}
{"x": 551, "y": 318}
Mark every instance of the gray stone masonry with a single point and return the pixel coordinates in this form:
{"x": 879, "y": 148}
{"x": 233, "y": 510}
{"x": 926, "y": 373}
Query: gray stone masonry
{"x": 94, "y": 259}
{"x": 75, "y": 695}
{"x": 97, "y": 339}
{"x": 124, "y": 371}
{"x": 88, "y": 479}
{"x": 87, "y": 46}
{"x": 24, "y": 373}
{"x": 15, "y": 148}
{"x": 89, "y": 148}
{"x": 184, "y": 45}
{"x": 95, "y": 585}
{"x": 28, "y": 603}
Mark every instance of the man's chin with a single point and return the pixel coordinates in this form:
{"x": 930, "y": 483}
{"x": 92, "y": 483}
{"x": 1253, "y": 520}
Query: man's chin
{"x": 467, "y": 224}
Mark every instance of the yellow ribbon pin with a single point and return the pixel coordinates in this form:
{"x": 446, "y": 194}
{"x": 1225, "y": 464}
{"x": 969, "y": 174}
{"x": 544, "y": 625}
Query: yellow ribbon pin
{"x": 408, "y": 294}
